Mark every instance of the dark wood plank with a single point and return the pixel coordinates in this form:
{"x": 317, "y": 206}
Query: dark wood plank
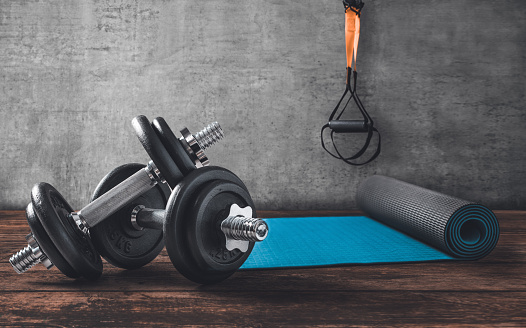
{"x": 266, "y": 308}
{"x": 488, "y": 292}
{"x": 159, "y": 277}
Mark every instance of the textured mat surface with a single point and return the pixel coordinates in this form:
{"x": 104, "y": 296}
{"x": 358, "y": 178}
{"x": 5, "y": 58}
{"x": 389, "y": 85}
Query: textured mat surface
{"x": 407, "y": 223}
{"x": 456, "y": 226}
{"x": 323, "y": 241}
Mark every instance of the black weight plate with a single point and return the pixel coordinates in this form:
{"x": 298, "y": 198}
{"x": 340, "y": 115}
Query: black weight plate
{"x": 115, "y": 238}
{"x": 46, "y": 245}
{"x": 156, "y": 150}
{"x": 206, "y": 240}
{"x": 173, "y": 145}
{"x": 53, "y": 212}
{"x": 178, "y": 211}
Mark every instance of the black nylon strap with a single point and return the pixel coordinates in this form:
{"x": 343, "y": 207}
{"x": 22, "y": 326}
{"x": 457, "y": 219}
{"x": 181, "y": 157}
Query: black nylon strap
{"x": 368, "y": 121}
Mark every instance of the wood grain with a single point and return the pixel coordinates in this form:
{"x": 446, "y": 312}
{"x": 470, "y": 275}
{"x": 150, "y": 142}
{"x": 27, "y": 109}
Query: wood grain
{"x": 489, "y": 292}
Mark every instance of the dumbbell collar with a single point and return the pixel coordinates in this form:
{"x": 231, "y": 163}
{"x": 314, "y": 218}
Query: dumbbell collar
{"x": 240, "y": 228}
{"x": 193, "y": 148}
{"x": 154, "y": 174}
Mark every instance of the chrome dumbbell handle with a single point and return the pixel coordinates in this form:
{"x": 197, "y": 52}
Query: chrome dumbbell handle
{"x": 117, "y": 197}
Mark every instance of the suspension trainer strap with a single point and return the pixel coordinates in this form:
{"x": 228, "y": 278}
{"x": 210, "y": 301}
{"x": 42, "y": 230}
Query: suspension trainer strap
{"x": 336, "y": 125}
{"x": 352, "y": 35}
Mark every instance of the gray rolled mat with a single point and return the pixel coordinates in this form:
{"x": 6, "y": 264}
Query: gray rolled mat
{"x": 455, "y": 226}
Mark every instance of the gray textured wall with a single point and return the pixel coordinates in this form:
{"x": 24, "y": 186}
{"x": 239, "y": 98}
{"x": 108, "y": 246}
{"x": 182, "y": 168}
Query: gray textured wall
{"x": 445, "y": 81}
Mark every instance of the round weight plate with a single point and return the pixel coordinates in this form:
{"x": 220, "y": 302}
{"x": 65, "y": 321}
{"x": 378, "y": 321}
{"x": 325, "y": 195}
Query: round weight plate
{"x": 46, "y": 245}
{"x": 53, "y": 212}
{"x": 157, "y": 152}
{"x": 178, "y": 212}
{"x": 115, "y": 238}
{"x": 173, "y": 145}
{"x": 206, "y": 240}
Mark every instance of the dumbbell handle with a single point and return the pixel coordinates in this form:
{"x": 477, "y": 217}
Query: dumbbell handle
{"x": 235, "y": 228}
{"x": 147, "y": 218}
{"x": 117, "y": 197}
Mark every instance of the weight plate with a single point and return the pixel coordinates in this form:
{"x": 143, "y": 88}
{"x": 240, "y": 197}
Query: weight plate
{"x": 156, "y": 150}
{"x": 173, "y": 146}
{"x": 46, "y": 245}
{"x": 54, "y": 214}
{"x": 178, "y": 212}
{"x": 115, "y": 238}
{"x": 206, "y": 240}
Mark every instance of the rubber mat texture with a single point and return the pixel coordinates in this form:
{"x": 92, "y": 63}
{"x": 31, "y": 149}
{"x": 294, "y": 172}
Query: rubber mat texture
{"x": 406, "y": 223}
{"x": 326, "y": 241}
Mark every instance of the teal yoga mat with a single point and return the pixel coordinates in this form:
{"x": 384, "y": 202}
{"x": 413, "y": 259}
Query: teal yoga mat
{"x": 405, "y": 223}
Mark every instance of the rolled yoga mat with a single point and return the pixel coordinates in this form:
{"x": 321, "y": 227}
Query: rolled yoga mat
{"x": 405, "y": 223}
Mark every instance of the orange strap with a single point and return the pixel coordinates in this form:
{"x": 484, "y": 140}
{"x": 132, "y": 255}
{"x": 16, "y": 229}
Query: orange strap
{"x": 352, "y": 34}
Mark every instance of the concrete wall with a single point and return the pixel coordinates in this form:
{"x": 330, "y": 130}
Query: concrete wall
{"x": 444, "y": 80}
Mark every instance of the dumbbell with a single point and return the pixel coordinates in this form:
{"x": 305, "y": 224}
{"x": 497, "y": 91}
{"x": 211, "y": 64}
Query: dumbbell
{"x": 208, "y": 223}
{"x": 61, "y": 237}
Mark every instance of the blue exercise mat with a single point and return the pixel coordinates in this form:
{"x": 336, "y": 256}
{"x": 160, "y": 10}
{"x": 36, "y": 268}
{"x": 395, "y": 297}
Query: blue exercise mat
{"x": 406, "y": 223}
{"x": 325, "y": 241}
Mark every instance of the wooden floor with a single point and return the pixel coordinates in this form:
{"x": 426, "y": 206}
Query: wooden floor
{"x": 489, "y": 292}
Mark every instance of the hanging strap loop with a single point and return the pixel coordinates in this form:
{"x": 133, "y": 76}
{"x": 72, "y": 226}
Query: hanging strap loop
{"x": 366, "y": 125}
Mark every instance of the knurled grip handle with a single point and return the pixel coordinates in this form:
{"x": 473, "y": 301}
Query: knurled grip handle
{"x": 117, "y": 197}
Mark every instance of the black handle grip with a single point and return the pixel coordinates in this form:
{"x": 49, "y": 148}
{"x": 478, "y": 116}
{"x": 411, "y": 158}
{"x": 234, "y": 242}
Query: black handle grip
{"x": 349, "y": 126}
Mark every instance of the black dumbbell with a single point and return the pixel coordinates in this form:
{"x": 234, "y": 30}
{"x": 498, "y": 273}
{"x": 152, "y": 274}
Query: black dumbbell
{"x": 208, "y": 224}
{"x": 60, "y": 237}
